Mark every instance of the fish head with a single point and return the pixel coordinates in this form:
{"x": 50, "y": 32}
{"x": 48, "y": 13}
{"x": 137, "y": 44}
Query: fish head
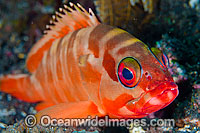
{"x": 138, "y": 84}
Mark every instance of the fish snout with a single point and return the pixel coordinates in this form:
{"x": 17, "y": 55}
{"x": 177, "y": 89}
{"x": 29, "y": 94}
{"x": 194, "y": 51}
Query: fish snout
{"x": 159, "y": 97}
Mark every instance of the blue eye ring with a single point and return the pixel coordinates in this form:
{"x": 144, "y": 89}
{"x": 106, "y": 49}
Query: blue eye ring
{"x": 165, "y": 59}
{"x": 133, "y": 69}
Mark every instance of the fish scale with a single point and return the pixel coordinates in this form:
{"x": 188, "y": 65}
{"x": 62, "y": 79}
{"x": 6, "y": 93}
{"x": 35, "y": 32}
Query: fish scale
{"x": 74, "y": 72}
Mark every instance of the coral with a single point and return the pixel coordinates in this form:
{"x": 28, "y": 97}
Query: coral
{"x": 148, "y": 5}
{"x": 130, "y": 15}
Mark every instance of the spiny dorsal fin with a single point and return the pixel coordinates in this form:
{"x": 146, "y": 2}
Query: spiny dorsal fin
{"x": 73, "y": 20}
{"x": 67, "y": 21}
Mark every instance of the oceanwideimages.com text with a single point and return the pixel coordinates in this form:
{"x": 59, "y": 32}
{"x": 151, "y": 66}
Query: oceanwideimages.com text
{"x": 47, "y": 121}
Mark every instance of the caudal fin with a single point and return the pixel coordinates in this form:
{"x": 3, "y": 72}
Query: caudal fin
{"x": 19, "y": 86}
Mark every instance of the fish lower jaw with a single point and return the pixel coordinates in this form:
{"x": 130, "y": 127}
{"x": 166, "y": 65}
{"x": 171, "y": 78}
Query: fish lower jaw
{"x": 160, "y": 101}
{"x": 154, "y": 100}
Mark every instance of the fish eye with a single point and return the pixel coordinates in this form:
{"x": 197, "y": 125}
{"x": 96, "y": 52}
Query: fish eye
{"x": 129, "y": 72}
{"x": 161, "y": 56}
{"x": 165, "y": 60}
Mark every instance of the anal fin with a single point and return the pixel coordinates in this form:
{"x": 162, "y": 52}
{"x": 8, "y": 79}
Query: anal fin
{"x": 43, "y": 105}
{"x": 81, "y": 109}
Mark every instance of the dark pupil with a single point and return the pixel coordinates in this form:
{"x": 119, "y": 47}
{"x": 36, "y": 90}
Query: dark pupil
{"x": 127, "y": 74}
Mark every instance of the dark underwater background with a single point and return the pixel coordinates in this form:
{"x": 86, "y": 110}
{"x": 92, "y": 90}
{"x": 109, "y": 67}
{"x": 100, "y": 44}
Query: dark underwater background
{"x": 170, "y": 25}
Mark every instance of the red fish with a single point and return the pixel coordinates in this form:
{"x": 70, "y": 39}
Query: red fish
{"x": 82, "y": 67}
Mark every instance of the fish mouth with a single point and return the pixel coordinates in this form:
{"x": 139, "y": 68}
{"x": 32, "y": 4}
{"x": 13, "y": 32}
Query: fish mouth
{"x": 154, "y": 100}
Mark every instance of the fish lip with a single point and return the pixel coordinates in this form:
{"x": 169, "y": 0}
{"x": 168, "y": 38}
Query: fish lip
{"x": 164, "y": 104}
{"x": 140, "y": 105}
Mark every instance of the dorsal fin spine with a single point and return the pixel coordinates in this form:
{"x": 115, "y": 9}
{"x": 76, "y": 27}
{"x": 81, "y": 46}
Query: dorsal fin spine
{"x": 68, "y": 8}
{"x": 71, "y": 4}
{"x": 67, "y": 19}
{"x": 83, "y": 9}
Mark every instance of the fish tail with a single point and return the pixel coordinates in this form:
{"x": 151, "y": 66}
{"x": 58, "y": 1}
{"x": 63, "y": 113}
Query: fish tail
{"x": 19, "y": 86}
